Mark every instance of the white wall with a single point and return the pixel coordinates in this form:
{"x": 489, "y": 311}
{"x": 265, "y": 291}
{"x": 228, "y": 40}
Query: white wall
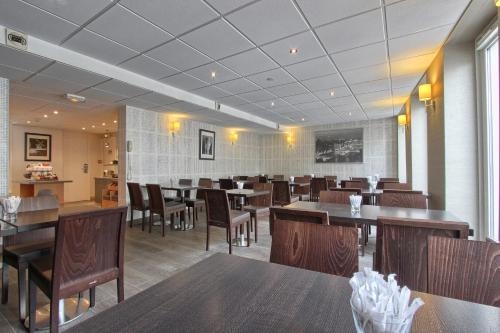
{"x": 380, "y": 152}
{"x": 419, "y": 145}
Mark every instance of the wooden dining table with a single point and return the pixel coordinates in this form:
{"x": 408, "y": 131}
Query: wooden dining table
{"x": 227, "y": 293}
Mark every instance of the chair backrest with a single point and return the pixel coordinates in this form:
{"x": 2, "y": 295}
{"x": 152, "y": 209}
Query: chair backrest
{"x": 203, "y": 183}
{"x": 356, "y": 191}
{"x": 242, "y": 177}
{"x": 253, "y": 179}
{"x": 302, "y": 189}
{"x": 353, "y": 184}
{"x": 338, "y": 197}
{"x": 401, "y": 247}
{"x": 217, "y": 206}
{"x": 279, "y": 177}
{"x": 311, "y": 216}
{"x": 281, "y": 192}
{"x": 262, "y": 200}
{"x": 317, "y": 185}
{"x": 397, "y": 186}
{"x": 464, "y": 269}
{"x": 156, "y": 200}
{"x": 88, "y": 250}
{"x": 187, "y": 182}
{"x": 405, "y": 200}
{"x": 381, "y": 184}
{"x": 321, "y": 248}
{"x": 306, "y": 177}
{"x": 389, "y": 180}
{"x": 403, "y": 191}
{"x": 263, "y": 179}
{"x": 136, "y": 197}
{"x": 226, "y": 184}
{"x": 363, "y": 180}
{"x": 332, "y": 181}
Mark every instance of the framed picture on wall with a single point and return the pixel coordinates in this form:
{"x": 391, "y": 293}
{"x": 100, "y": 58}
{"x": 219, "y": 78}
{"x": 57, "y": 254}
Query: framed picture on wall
{"x": 37, "y": 147}
{"x": 207, "y": 145}
{"x": 339, "y": 146}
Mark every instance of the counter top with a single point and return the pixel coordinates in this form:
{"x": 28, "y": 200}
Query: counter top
{"x": 106, "y": 178}
{"x": 28, "y": 181}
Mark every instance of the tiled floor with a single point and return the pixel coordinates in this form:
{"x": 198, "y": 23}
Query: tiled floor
{"x": 151, "y": 258}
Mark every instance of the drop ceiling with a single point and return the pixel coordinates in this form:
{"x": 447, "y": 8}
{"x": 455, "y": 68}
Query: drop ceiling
{"x": 356, "y": 59}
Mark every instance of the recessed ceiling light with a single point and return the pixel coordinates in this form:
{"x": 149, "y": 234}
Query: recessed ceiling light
{"x": 272, "y": 103}
{"x": 269, "y": 79}
{"x": 74, "y": 98}
{"x": 294, "y": 50}
{"x": 332, "y": 93}
{"x": 115, "y": 121}
{"x": 350, "y": 113}
{"x": 83, "y": 128}
{"x": 103, "y": 124}
{"x": 302, "y": 119}
{"x": 45, "y": 115}
{"x": 213, "y": 75}
{"x": 28, "y": 122}
{"x": 93, "y": 126}
{"x": 55, "y": 112}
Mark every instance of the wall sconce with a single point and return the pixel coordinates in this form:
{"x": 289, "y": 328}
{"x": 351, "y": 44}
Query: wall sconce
{"x": 497, "y": 3}
{"x": 174, "y": 127}
{"x": 402, "y": 120}
{"x": 425, "y": 95}
{"x": 289, "y": 140}
{"x": 233, "y": 136}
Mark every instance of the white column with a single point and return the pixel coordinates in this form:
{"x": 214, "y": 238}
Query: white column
{"x": 4, "y": 136}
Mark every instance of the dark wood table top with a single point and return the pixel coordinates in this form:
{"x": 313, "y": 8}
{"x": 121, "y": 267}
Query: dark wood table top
{"x": 245, "y": 193}
{"x": 369, "y": 213}
{"x": 179, "y": 187}
{"x": 298, "y": 184}
{"x": 227, "y": 293}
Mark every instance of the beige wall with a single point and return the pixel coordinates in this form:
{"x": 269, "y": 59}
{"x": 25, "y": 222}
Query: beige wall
{"x": 69, "y": 151}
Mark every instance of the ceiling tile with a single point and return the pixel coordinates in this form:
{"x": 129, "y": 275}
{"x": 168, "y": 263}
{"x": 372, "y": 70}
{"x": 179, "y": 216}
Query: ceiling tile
{"x": 315, "y": 105}
{"x": 217, "y": 40}
{"x": 352, "y": 32}
{"x": 225, "y": 6}
{"x": 346, "y": 108}
{"x": 320, "y": 12}
{"x": 348, "y": 100}
{"x": 299, "y": 99}
{"x": 411, "y": 16}
{"x": 259, "y": 21}
{"x": 324, "y": 82}
{"x": 129, "y": 29}
{"x": 185, "y": 106}
{"x": 307, "y": 46}
{"x": 148, "y": 67}
{"x": 249, "y": 62}
{"x": 370, "y": 86}
{"x": 406, "y": 80}
{"x": 204, "y": 73}
{"x": 274, "y": 105}
{"x": 289, "y": 89}
{"x": 413, "y": 65}
{"x": 138, "y": 103}
{"x": 172, "y": 15}
{"x": 22, "y": 60}
{"x": 76, "y": 11}
{"x": 68, "y": 73}
{"x": 36, "y": 22}
{"x": 96, "y": 46}
{"x": 420, "y": 43}
{"x": 238, "y": 86}
{"x": 179, "y": 55}
{"x": 257, "y": 96}
{"x": 271, "y": 78}
{"x": 358, "y": 57}
{"x": 183, "y": 81}
{"x": 311, "y": 68}
{"x": 233, "y": 101}
{"x": 14, "y": 74}
{"x": 337, "y": 92}
{"x": 54, "y": 85}
{"x": 369, "y": 73}
{"x": 121, "y": 88}
{"x": 158, "y": 99}
{"x": 210, "y": 92}
{"x": 377, "y": 96}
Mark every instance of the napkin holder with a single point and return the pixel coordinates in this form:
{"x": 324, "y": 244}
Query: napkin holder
{"x": 10, "y": 205}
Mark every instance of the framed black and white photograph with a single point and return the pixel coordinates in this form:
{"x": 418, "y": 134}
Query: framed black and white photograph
{"x": 207, "y": 145}
{"x": 339, "y": 146}
{"x": 37, "y": 147}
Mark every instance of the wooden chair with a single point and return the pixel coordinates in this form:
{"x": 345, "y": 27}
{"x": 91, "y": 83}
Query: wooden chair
{"x": 357, "y": 191}
{"x": 381, "y": 184}
{"x": 279, "y": 177}
{"x": 332, "y": 181}
{"x": 405, "y": 200}
{"x": 100, "y": 236}
{"x": 320, "y": 248}
{"x": 220, "y": 215}
{"x": 464, "y": 269}
{"x": 242, "y": 177}
{"x": 281, "y": 193}
{"x": 226, "y": 184}
{"x": 137, "y": 202}
{"x": 397, "y": 186}
{"x": 199, "y": 202}
{"x": 19, "y": 249}
{"x": 401, "y": 247}
{"x": 303, "y": 191}
{"x": 363, "y": 180}
{"x": 396, "y": 180}
{"x": 157, "y": 205}
{"x": 186, "y": 182}
{"x": 283, "y": 213}
{"x": 259, "y": 206}
{"x": 353, "y": 184}
{"x": 317, "y": 185}
{"x": 263, "y": 179}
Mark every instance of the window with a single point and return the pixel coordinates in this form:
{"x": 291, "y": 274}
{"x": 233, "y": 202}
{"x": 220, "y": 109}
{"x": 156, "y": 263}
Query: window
{"x": 488, "y": 74}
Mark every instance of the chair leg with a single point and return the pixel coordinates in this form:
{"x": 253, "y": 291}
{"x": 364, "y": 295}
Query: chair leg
{"x": 231, "y": 240}
{"x": 131, "y": 217}
{"x": 120, "y": 289}
{"x": 21, "y": 283}
{"x": 189, "y": 213}
{"x": 150, "y": 221}
{"x": 54, "y": 315}
{"x": 248, "y": 232}
{"x": 172, "y": 221}
{"x": 143, "y": 219}
{"x": 92, "y": 297}
{"x": 32, "y": 305}
{"x": 5, "y": 283}
{"x": 251, "y": 225}
{"x": 256, "y": 221}
{"x": 208, "y": 236}
{"x": 162, "y": 226}
{"x": 182, "y": 220}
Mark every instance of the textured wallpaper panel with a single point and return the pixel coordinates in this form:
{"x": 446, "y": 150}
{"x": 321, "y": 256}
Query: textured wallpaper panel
{"x": 4, "y": 136}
